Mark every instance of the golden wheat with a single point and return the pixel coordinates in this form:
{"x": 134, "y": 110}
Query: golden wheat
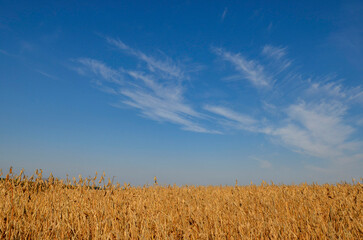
{"x": 35, "y": 208}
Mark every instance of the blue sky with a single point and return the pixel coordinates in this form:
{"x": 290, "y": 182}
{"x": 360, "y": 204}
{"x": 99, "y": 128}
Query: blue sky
{"x": 189, "y": 91}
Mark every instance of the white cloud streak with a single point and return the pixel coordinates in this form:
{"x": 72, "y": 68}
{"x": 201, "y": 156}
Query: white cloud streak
{"x": 278, "y": 55}
{"x": 314, "y": 122}
{"x": 101, "y": 69}
{"x": 46, "y": 74}
{"x": 224, "y": 14}
{"x": 160, "y": 109}
{"x": 251, "y": 70}
{"x": 335, "y": 90}
{"x": 151, "y": 90}
{"x": 274, "y": 52}
{"x": 234, "y": 119}
{"x": 316, "y": 129}
{"x": 167, "y": 67}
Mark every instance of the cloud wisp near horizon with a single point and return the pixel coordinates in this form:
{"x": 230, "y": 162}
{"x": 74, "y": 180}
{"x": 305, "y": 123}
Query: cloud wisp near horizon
{"x": 315, "y": 121}
{"x": 306, "y": 115}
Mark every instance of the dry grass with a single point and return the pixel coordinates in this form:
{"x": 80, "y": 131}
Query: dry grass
{"x": 34, "y": 208}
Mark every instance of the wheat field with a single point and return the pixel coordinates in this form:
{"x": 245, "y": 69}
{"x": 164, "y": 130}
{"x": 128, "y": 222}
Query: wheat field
{"x": 94, "y": 208}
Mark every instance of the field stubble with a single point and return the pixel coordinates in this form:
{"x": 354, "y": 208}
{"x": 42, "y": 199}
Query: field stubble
{"x": 88, "y": 208}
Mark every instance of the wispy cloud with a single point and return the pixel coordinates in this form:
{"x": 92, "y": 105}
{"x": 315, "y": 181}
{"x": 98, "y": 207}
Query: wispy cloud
{"x": 313, "y": 121}
{"x": 232, "y": 118}
{"x": 149, "y": 90}
{"x": 101, "y": 69}
{"x": 103, "y": 88}
{"x": 167, "y": 66}
{"x": 251, "y": 70}
{"x": 166, "y": 90}
{"x": 278, "y": 55}
{"x": 46, "y": 74}
{"x": 160, "y": 109}
{"x": 317, "y": 129}
{"x": 274, "y": 52}
{"x": 330, "y": 89}
{"x": 224, "y": 14}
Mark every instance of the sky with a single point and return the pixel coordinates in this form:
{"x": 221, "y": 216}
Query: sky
{"x": 192, "y": 92}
